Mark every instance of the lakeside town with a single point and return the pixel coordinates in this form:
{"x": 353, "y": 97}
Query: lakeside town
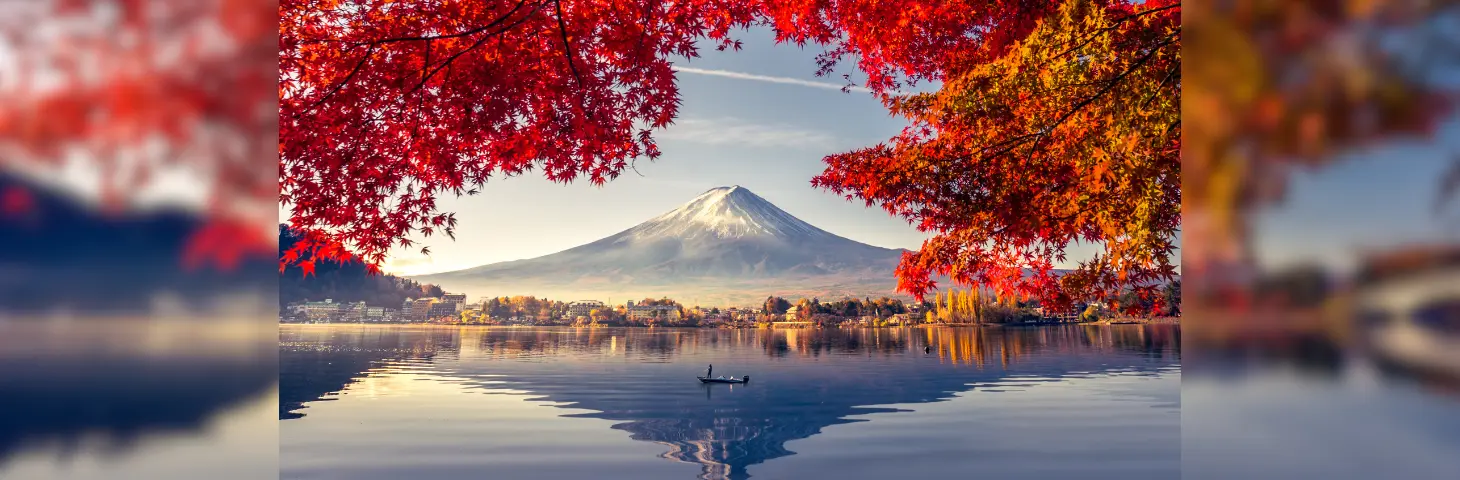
{"x": 970, "y": 307}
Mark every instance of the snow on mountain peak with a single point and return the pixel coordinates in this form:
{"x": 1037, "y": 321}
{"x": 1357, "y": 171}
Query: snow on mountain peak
{"x": 727, "y": 212}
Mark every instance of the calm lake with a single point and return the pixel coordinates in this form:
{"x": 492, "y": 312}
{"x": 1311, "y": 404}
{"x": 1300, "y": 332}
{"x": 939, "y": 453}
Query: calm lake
{"x": 390, "y": 402}
{"x": 138, "y": 398}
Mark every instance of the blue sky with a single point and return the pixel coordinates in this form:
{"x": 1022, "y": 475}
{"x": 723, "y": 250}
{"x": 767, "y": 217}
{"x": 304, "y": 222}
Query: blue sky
{"x": 758, "y": 118}
{"x": 761, "y": 119}
{"x": 1378, "y": 198}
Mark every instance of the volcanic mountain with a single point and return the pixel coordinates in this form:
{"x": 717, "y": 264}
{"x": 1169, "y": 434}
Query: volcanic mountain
{"x": 728, "y": 244}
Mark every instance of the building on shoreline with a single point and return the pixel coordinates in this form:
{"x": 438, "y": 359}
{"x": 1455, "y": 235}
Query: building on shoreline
{"x": 456, "y": 300}
{"x": 315, "y": 311}
{"x": 651, "y": 312}
{"x": 584, "y": 308}
{"x": 418, "y": 309}
{"x": 442, "y": 309}
{"x": 328, "y": 311}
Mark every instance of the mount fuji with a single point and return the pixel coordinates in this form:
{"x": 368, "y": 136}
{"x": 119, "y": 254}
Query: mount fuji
{"x": 726, "y": 245}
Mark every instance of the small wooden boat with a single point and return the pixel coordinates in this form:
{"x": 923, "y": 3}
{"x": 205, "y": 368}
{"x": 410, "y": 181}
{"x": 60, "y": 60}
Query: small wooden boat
{"x": 745, "y": 379}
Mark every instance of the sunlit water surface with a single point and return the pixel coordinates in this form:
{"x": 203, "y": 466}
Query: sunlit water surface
{"x": 381, "y": 402}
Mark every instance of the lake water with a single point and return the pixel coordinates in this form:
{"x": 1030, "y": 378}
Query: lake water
{"x": 390, "y": 402}
{"x": 142, "y": 398}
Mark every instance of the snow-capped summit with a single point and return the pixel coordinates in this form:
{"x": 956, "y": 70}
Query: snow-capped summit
{"x": 727, "y": 212}
{"x": 724, "y": 236}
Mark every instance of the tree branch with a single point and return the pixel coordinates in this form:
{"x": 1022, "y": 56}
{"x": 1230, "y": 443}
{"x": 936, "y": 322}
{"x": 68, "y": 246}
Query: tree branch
{"x": 1108, "y": 87}
{"x": 413, "y": 38}
{"x": 1115, "y": 24}
{"x": 368, "y": 52}
{"x": 1157, "y": 91}
{"x": 567, "y": 47}
{"x": 371, "y": 46}
{"x": 474, "y": 46}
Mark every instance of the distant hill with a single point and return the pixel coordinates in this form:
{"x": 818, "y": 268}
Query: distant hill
{"x": 344, "y": 282}
{"x": 60, "y": 253}
{"x": 727, "y": 245}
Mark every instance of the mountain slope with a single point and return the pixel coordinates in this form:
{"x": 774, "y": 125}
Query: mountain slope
{"x": 725, "y": 240}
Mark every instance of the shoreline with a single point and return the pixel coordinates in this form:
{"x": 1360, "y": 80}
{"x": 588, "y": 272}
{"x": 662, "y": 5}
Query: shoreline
{"x": 1109, "y": 322}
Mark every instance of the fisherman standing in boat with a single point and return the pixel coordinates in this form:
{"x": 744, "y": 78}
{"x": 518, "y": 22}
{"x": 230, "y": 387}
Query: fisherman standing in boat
{"x": 710, "y": 371}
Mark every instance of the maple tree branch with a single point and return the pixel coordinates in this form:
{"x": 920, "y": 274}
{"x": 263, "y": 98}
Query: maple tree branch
{"x": 1002, "y": 228}
{"x": 478, "y": 43}
{"x": 420, "y": 101}
{"x": 336, "y": 89}
{"x": 1157, "y": 91}
{"x": 426, "y": 77}
{"x": 371, "y": 46}
{"x": 648, "y": 14}
{"x": 1108, "y": 87}
{"x": 1146, "y": 12}
{"x": 567, "y": 47}
{"x": 1113, "y": 25}
{"x": 1011, "y": 143}
{"x": 426, "y": 61}
{"x": 1171, "y": 127}
{"x": 414, "y": 38}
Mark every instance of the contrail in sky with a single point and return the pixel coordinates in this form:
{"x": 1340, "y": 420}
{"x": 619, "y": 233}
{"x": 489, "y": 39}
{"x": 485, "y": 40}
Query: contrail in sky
{"x": 765, "y": 78}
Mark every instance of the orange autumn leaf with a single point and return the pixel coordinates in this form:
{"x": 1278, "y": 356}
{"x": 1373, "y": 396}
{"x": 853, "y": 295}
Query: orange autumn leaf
{"x": 1070, "y": 134}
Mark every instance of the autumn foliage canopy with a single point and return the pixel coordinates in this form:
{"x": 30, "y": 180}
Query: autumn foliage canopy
{"x": 1052, "y": 123}
{"x": 131, "y": 90}
{"x": 1056, "y": 122}
{"x": 1065, "y": 128}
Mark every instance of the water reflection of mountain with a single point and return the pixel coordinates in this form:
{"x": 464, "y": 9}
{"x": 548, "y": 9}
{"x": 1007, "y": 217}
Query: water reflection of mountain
{"x": 804, "y": 380}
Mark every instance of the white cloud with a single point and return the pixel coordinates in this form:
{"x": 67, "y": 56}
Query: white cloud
{"x": 766, "y": 78}
{"x": 734, "y": 131}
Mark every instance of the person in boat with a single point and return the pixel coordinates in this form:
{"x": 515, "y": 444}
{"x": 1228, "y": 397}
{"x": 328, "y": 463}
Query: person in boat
{"x": 710, "y": 371}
